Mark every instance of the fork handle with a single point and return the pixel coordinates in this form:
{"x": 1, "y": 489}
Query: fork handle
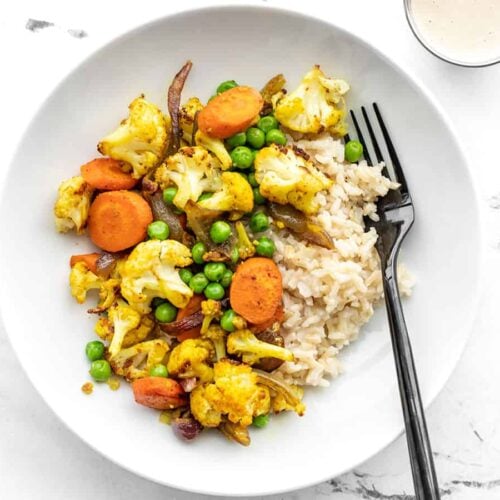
{"x": 422, "y": 463}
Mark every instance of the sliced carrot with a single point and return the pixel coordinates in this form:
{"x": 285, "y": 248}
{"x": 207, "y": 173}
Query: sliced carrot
{"x": 118, "y": 220}
{"x": 256, "y": 290}
{"x": 106, "y": 174}
{"x": 159, "y": 392}
{"x": 230, "y": 112}
{"x": 194, "y": 305}
{"x": 278, "y": 316}
{"x": 89, "y": 258}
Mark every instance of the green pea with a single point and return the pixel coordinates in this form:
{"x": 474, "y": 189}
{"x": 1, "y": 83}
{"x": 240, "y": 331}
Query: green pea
{"x": 254, "y": 154}
{"x": 185, "y": 275}
{"x": 260, "y": 421}
{"x": 220, "y": 231}
{"x": 227, "y": 277}
{"x": 257, "y": 197}
{"x": 267, "y": 123}
{"x": 169, "y": 194}
{"x": 259, "y": 222}
{"x": 228, "y": 84}
{"x": 252, "y": 180}
{"x": 158, "y": 230}
{"x": 235, "y": 255}
{"x": 100, "y": 370}
{"x": 236, "y": 140}
{"x": 198, "y": 250}
{"x": 158, "y": 371}
{"x": 242, "y": 157}
{"x": 157, "y": 301}
{"x": 255, "y": 137}
{"x": 265, "y": 247}
{"x": 214, "y": 270}
{"x": 198, "y": 282}
{"x": 166, "y": 312}
{"x": 214, "y": 291}
{"x": 275, "y": 136}
{"x": 226, "y": 322}
{"x": 205, "y": 196}
{"x": 94, "y": 350}
{"x": 353, "y": 151}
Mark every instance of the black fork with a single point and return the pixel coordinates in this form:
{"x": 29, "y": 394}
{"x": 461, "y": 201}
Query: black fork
{"x": 396, "y": 218}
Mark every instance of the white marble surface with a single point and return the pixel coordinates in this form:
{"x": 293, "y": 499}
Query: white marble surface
{"x": 40, "y": 458}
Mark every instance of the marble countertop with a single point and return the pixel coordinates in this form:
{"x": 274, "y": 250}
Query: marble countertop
{"x": 40, "y": 458}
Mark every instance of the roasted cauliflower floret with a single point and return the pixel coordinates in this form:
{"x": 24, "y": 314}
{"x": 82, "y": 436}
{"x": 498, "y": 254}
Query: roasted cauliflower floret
{"x": 192, "y": 359}
{"x": 187, "y": 115}
{"x": 136, "y": 361}
{"x": 235, "y": 194}
{"x": 192, "y": 170}
{"x": 217, "y": 335}
{"x": 216, "y": 147}
{"x": 140, "y": 140}
{"x": 286, "y": 177}
{"x": 234, "y": 394}
{"x": 246, "y": 248}
{"x": 123, "y": 327}
{"x": 81, "y": 280}
{"x": 72, "y": 205}
{"x": 314, "y": 106}
{"x": 245, "y": 344}
{"x": 151, "y": 271}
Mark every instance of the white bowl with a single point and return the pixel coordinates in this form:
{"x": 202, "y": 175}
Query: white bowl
{"x": 360, "y": 413}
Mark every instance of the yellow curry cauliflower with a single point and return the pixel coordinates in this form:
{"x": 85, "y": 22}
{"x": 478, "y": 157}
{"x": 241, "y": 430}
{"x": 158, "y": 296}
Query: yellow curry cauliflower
{"x": 151, "y": 271}
{"x": 192, "y": 358}
{"x": 286, "y": 177}
{"x": 192, "y": 170}
{"x": 315, "y": 105}
{"x": 81, "y": 280}
{"x": 140, "y": 140}
{"x": 216, "y": 147}
{"x": 71, "y": 209}
{"x": 235, "y": 194}
{"x": 123, "y": 327}
{"x": 136, "y": 361}
{"x": 234, "y": 395}
{"x": 187, "y": 114}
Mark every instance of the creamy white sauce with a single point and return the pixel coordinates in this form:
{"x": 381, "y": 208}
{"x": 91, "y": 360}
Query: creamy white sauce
{"x": 464, "y": 30}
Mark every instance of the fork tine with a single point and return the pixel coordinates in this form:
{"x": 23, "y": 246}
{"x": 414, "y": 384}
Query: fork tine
{"x": 378, "y": 153}
{"x": 366, "y": 154}
{"x": 392, "y": 151}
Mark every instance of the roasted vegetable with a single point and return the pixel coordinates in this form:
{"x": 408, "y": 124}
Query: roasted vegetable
{"x": 192, "y": 358}
{"x": 284, "y": 391}
{"x": 151, "y": 271}
{"x": 140, "y": 140}
{"x": 246, "y": 248}
{"x": 174, "y": 101}
{"x": 299, "y": 224}
{"x": 186, "y": 428}
{"x": 216, "y": 147}
{"x": 315, "y": 105}
{"x": 234, "y": 394}
{"x": 246, "y": 345}
{"x": 136, "y": 361}
{"x": 81, "y": 280}
{"x": 193, "y": 171}
{"x": 235, "y": 432}
{"x": 123, "y": 327}
{"x": 218, "y": 337}
{"x": 211, "y": 309}
{"x": 159, "y": 392}
{"x": 286, "y": 177}
{"x": 272, "y": 87}
{"x": 187, "y": 118}
{"x": 72, "y": 205}
{"x": 234, "y": 194}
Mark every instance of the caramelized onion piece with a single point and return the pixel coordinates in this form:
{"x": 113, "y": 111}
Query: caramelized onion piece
{"x": 186, "y": 428}
{"x": 106, "y": 263}
{"x": 188, "y": 323}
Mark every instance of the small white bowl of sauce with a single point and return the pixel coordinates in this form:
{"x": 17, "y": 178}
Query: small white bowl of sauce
{"x": 462, "y": 32}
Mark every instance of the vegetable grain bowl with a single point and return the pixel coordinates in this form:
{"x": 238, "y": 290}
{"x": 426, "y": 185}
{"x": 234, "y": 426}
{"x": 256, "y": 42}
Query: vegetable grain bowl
{"x": 232, "y": 264}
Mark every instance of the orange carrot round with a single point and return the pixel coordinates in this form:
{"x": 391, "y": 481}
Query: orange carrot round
{"x": 106, "y": 174}
{"x": 159, "y": 392}
{"x": 194, "y": 305}
{"x": 278, "y": 316}
{"x": 230, "y": 112}
{"x": 89, "y": 258}
{"x": 256, "y": 290}
{"x": 118, "y": 220}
